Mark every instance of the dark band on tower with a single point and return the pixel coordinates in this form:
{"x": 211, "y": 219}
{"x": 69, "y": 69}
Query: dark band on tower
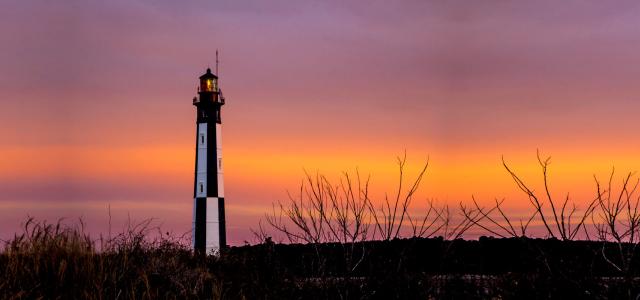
{"x": 209, "y": 232}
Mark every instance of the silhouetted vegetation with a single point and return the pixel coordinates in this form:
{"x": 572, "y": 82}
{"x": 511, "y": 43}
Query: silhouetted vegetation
{"x": 54, "y": 261}
{"x": 341, "y": 245}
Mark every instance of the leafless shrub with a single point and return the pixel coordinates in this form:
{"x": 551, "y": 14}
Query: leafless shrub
{"x": 565, "y": 222}
{"x": 387, "y": 222}
{"x": 433, "y": 222}
{"x": 618, "y": 221}
{"x": 323, "y": 212}
{"x": 345, "y": 212}
{"x": 500, "y": 225}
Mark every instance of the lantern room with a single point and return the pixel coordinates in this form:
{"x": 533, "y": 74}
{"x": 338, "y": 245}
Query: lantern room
{"x": 208, "y": 82}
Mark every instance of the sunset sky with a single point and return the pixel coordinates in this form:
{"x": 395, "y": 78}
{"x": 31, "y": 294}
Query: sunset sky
{"x": 96, "y": 105}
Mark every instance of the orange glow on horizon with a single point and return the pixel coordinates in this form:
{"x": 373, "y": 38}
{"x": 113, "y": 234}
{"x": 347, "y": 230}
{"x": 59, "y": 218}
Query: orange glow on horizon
{"x": 449, "y": 178}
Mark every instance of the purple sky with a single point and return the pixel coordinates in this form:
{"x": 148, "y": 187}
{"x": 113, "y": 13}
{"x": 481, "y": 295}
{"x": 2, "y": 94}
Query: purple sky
{"x": 96, "y": 107}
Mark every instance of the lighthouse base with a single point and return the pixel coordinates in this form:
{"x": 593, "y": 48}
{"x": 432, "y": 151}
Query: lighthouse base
{"x": 209, "y": 232}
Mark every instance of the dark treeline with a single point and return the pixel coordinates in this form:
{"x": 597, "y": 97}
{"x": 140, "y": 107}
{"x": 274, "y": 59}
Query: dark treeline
{"x": 510, "y": 268}
{"x": 488, "y": 256}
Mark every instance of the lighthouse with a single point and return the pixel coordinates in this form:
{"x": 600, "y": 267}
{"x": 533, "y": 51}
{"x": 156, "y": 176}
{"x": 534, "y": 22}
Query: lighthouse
{"x": 208, "y": 207}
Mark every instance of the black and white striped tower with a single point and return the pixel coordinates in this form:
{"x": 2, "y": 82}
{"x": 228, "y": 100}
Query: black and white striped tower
{"x": 208, "y": 208}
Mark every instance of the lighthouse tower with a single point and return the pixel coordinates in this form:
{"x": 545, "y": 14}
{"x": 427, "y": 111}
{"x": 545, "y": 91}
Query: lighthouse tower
{"x": 208, "y": 208}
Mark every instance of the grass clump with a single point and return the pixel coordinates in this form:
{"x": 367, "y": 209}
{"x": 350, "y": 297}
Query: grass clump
{"x": 62, "y": 261}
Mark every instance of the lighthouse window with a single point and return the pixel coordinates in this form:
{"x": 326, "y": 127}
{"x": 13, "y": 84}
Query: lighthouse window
{"x": 219, "y": 163}
{"x": 207, "y": 85}
{"x": 201, "y": 139}
{"x": 201, "y": 187}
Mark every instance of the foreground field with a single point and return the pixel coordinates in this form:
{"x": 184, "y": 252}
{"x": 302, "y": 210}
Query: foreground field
{"x": 58, "y": 262}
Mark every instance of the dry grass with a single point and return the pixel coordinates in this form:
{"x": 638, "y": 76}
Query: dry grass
{"x": 61, "y": 261}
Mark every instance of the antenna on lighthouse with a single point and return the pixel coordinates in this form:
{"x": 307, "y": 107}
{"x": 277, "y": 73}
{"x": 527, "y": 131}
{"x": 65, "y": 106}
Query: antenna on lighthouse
{"x": 217, "y": 74}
